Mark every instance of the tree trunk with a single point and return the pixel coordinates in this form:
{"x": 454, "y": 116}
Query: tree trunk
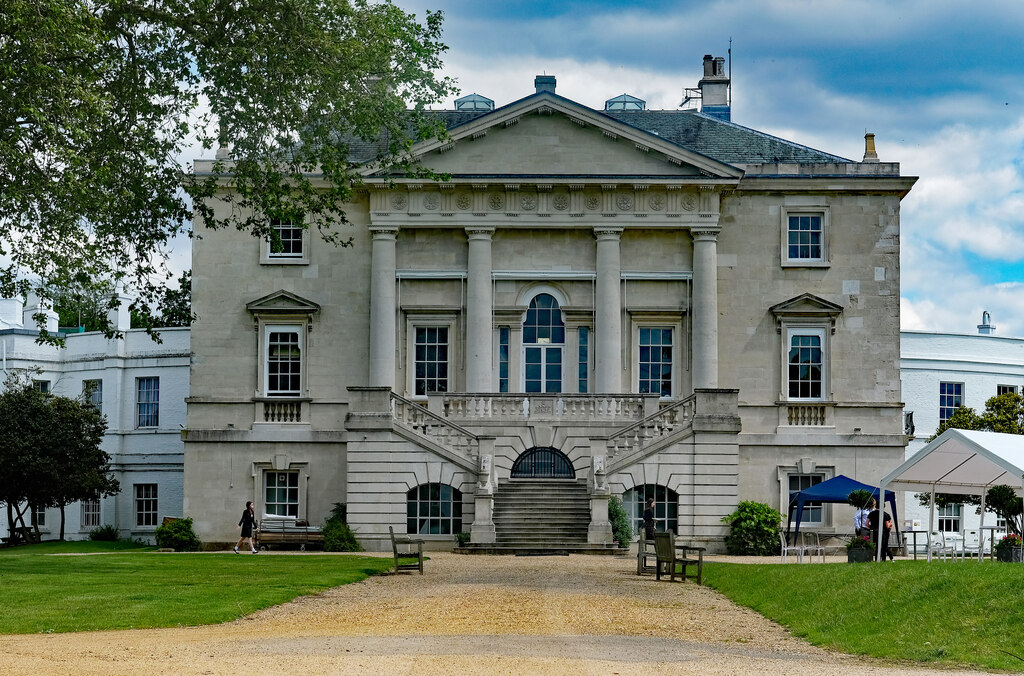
{"x": 62, "y": 522}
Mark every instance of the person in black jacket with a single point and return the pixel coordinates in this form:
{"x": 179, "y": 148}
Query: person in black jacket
{"x": 873, "y": 518}
{"x": 247, "y": 524}
{"x": 649, "y": 520}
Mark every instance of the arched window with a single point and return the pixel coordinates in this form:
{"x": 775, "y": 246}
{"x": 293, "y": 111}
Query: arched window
{"x": 543, "y": 463}
{"x": 434, "y": 509}
{"x": 543, "y": 345}
{"x": 666, "y": 507}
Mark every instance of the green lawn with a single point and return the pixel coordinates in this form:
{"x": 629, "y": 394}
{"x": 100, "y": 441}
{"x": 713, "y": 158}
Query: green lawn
{"x": 951, "y": 613}
{"x": 135, "y": 587}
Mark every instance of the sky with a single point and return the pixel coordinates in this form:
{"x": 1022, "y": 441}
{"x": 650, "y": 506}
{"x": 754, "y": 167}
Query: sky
{"x": 940, "y": 84}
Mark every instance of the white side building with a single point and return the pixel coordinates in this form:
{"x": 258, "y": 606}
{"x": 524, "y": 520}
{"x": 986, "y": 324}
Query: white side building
{"x": 941, "y": 371}
{"x": 140, "y": 386}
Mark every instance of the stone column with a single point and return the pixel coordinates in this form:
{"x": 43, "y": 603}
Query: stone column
{"x": 705, "y": 308}
{"x": 608, "y": 313}
{"x": 479, "y": 310}
{"x": 382, "y": 307}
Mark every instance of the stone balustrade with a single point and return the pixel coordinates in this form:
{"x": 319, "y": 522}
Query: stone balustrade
{"x": 577, "y": 407}
{"x": 807, "y": 414}
{"x": 282, "y": 410}
{"x": 434, "y": 427}
{"x": 653, "y": 427}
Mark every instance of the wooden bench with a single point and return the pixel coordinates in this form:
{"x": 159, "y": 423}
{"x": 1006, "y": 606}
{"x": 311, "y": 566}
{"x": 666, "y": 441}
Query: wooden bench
{"x": 672, "y": 556}
{"x": 284, "y": 531}
{"x": 411, "y": 548}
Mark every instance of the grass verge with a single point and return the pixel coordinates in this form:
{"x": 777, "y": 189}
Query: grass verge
{"x": 948, "y": 613}
{"x": 133, "y": 587}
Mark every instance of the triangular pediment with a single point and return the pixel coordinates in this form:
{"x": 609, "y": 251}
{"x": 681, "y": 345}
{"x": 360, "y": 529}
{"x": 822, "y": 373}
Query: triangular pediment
{"x": 806, "y": 306}
{"x": 548, "y": 136}
{"x": 282, "y": 302}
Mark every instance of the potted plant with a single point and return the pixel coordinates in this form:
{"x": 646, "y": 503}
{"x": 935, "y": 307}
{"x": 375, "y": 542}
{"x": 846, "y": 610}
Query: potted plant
{"x": 860, "y": 549}
{"x": 1010, "y": 548}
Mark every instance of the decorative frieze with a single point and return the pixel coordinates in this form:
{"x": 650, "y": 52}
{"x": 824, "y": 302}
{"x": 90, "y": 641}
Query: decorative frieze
{"x": 605, "y": 200}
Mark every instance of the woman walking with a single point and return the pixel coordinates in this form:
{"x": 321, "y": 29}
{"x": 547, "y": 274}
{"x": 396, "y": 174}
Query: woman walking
{"x": 247, "y": 523}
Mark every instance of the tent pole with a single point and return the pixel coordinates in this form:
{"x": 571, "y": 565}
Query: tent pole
{"x": 879, "y": 556}
{"x": 981, "y": 528}
{"x": 931, "y": 520}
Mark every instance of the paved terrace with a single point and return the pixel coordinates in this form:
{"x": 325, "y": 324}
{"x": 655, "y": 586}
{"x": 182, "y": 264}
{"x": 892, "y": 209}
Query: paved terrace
{"x": 467, "y": 615}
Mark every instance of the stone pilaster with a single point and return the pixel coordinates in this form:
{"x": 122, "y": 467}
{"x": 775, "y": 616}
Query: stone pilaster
{"x": 608, "y": 313}
{"x": 705, "y": 307}
{"x": 479, "y": 308}
{"x": 382, "y": 307}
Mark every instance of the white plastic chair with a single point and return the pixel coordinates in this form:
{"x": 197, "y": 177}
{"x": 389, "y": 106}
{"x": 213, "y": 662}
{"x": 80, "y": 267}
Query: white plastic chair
{"x": 812, "y": 546}
{"x": 940, "y": 546}
{"x": 787, "y": 548}
{"x": 971, "y": 545}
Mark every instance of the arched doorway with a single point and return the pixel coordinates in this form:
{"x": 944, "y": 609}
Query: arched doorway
{"x": 543, "y": 463}
{"x": 543, "y": 345}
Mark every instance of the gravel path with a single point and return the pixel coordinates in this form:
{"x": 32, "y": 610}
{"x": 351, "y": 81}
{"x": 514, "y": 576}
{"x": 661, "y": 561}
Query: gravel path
{"x": 468, "y": 614}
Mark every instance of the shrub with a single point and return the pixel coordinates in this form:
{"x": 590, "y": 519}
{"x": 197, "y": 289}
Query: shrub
{"x": 622, "y": 532}
{"x": 338, "y": 535}
{"x": 177, "y": 535}
{"x": 753, "y": 529}
{"x": 1008, "y": 542}
{"x": 463, "y": 538}
{"x": 859, "y": 498}
{"x": 860, "y": 542}
{"x": 105, "y": 533}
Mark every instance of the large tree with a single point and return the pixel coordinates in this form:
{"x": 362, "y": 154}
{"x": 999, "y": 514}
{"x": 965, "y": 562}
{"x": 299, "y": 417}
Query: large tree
{"x": 50, "y": 452}
{"x": 101, "y": 98}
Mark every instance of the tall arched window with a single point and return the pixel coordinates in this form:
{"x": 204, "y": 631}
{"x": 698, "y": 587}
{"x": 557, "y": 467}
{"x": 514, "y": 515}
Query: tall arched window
{"x": 543, "y": 345}
{"x": 666, "y": 507}
{"x": 434, "y": 509}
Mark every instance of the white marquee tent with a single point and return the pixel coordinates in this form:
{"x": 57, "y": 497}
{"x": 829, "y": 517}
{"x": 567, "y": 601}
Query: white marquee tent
{"x": 964, "y": 462}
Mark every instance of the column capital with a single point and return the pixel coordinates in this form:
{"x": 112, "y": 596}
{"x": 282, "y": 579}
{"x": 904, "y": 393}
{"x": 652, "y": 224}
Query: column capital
{"x": 384, "y": 231}
{"x": 479, "y": 232}
{"x": 607, "y": 233}
{"x": 704, "y": 233}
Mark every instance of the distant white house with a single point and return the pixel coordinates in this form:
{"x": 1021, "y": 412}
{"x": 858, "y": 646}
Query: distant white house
{"x": 940, "y": 371}
{"x": 140, "y": 386}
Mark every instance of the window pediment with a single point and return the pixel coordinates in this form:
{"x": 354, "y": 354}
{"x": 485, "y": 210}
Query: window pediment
{"x": 280, "y": 303}
{"x": 806, "y": 307}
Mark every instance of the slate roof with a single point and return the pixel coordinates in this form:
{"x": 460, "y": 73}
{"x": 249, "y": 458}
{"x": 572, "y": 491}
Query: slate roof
{"x": 709, "y": 136}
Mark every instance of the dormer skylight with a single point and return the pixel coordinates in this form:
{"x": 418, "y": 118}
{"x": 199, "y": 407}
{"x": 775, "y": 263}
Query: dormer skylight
{"x": 474, "y": 102}
{"x": 625, "y": 102}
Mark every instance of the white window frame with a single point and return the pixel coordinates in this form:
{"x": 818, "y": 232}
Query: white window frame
{"x": 96, "y": 398}
{"x": 1007, "y": 389}
{"x": 824, "y": 213}
{"x": 568, "y": 361}
{"x": 139, "y": 404}
{"x": 657, "y": 320}
{"x": 267, "y": 257}
{"x": 266, "y": 328}
{"x": 137, "y": 499}
{"x": 822, "y": 331}
{"x": 267, "y": 474}
{"x": 822, "y": 506}
{"x": 280, "y": 463}
{"x": 91, "y": 515}
{"x": 952, "y": 513}
{"x": 963, "y": 397}
{"x": 422, "y": 320}
{"x": 805, "y": 466}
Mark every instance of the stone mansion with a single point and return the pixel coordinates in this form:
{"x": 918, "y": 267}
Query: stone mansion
{"x": 618, "y": 302}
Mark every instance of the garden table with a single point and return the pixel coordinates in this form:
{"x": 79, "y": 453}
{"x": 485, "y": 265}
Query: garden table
{"x": 914, "y": 533}
{"x": 992, "y": 538}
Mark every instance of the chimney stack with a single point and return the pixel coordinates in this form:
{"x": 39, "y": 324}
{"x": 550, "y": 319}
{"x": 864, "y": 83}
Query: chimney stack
{"x": 869, "y": 148}
{"x": 544, "y": 83}
{"x": 986, "y": 328}
{"x": 714, "y": 89}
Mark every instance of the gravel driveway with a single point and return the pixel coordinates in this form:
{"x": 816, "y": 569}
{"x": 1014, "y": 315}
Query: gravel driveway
{"x": 468, "y": 615}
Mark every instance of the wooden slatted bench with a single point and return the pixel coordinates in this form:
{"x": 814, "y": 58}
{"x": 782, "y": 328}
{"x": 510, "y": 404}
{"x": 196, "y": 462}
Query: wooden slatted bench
{"x": 410, "y": 548}
{"x": 276, "y": 530}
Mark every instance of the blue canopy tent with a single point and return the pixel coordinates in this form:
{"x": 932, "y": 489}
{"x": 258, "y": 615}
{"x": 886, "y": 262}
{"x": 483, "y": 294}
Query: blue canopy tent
{"x": 836, "y": 489}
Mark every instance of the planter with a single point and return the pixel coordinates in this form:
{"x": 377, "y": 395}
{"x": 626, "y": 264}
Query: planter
{"x": 1010, "y": 554}
{"x": 859, "y": 555}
